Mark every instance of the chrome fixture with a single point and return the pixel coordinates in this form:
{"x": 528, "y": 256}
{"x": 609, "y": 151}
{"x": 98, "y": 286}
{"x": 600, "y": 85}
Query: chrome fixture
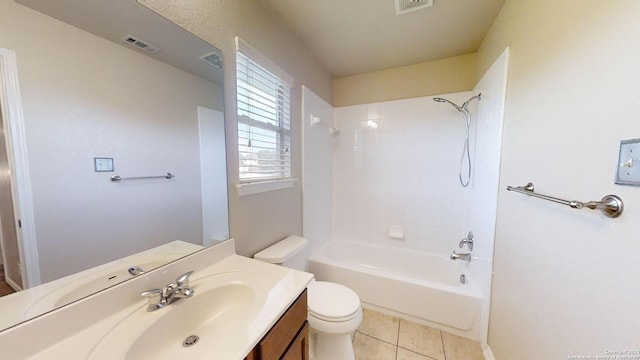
{"x": 458, "y": 256}
{"x": 610, "y": 205}
{"x": 465, "y": 149}
{"x": 135, "y": 270}
{"x": 118, "y": 178}
{"x": 159, "y": 298}
{"x": 468, "y": 240}
{"x": 190, "y": 340}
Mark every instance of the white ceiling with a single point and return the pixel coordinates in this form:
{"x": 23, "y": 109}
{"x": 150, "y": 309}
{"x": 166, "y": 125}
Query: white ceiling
{"x": 357, "y": 36}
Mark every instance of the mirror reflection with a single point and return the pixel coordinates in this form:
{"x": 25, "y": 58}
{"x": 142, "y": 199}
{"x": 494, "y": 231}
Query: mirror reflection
{"x": 122, "y": 92}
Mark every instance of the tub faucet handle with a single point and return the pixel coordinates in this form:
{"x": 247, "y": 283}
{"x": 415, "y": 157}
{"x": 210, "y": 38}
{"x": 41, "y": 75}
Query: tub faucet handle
{"x": 468, "y": 240}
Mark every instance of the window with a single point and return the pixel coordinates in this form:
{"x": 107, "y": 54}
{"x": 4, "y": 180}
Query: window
{"x": 263, "y": 92}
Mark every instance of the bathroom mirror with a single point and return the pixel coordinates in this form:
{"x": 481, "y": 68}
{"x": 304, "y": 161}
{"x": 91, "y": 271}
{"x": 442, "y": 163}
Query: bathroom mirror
{"x": 121, "y": 92}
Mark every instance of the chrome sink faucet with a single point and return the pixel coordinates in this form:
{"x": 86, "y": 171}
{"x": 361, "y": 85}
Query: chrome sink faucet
{"x": 179, "y": 289}
{"x": 459, "y": 256}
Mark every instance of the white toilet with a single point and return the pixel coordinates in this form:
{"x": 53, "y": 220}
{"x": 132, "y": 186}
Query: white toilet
{"x": 334, "y": 311}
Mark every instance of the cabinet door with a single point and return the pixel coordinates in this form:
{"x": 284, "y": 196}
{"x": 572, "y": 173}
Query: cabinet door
{"x": 278, "y": 339}
{"x": 253, "y": 355}
{"x": 299, "y": 348}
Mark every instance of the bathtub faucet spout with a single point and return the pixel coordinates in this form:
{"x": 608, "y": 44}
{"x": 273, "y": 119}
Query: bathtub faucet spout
{"x": 459, "y": 256}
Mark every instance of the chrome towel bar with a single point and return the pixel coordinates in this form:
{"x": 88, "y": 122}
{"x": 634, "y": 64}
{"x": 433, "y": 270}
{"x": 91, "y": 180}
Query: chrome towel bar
{"x": 610, "y": 205}
{"x": 117, "y": 178}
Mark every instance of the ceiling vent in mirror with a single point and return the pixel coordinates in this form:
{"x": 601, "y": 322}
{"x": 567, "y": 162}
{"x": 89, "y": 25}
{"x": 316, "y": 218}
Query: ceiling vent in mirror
{"x": 213, "y": 58}
{"x": 405, "y": 6}
{"x": 141, "y": 44}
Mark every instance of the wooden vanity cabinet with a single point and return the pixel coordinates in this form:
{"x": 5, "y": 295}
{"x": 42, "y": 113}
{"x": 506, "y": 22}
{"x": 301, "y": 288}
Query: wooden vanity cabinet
{"x": 288, "y": 339}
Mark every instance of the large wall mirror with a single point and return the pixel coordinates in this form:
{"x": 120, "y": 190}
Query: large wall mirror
{"x": 122, "y": 92}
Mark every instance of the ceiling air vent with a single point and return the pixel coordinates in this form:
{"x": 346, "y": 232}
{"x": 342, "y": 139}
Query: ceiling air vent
{"x": 213, "y": 59}
{"x": 141, "y": 44}
{"x": 405, "y": 6}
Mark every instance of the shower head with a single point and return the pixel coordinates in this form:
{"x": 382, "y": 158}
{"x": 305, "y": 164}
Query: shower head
{"x": 463, "y": 108}
{"x": 442, "y": 100}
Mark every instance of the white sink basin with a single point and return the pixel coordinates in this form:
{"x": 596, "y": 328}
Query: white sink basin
{"x": 220, "y": 313}
{"x": 236, "y": 301}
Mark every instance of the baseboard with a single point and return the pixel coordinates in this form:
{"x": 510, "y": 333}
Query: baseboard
{"x": 488, "y": 355}
{"x": 13, "y": 284}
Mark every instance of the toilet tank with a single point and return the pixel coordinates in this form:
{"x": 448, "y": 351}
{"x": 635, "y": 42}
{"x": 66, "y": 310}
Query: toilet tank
{"x": 290, "y": 252}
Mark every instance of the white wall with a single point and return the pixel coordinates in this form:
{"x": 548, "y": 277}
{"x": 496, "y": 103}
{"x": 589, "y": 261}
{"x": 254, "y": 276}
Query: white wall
{"x": 317, "y": 179}
{"x": 403, "y": 173}
{"x": 565, "y": 281}
{"x": 482, "y": 198}
{"x": 86, "y": 97}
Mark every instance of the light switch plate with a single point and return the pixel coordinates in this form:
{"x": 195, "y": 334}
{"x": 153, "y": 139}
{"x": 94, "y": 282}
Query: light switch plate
{"x": 103, "y": 164}
{"x": 629, "y": 163}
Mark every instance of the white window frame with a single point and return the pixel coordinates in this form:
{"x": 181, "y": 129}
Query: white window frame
{"x": 283, "y": 179}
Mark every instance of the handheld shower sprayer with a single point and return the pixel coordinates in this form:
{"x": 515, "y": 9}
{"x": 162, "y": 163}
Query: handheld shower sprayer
{"x": 442, "y": 100}
{"x": 465, "y": 150}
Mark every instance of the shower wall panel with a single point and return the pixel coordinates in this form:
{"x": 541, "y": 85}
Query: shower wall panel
{"x": 395, "y": 164}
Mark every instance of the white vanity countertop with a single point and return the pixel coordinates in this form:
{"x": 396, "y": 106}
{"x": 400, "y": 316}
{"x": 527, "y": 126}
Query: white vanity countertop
{"x": 26, "y": 304}
{"x": 103, "y": 338}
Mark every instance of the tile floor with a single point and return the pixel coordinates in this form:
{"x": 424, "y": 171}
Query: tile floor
{"x": 384, "y": 337}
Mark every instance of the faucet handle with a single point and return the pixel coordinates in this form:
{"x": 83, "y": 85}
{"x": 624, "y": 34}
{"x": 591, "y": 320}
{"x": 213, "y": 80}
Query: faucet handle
{"x": 468, "y": 240}
{"x": 183, "y": 280}
{"x": 151, "y": 294}
{"x": 156, "y": 299}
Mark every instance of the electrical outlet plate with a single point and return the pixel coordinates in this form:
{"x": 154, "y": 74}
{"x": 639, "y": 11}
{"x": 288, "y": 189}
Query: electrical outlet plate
{"x": 103, "y": 164}
{"x": 628, "y": 172}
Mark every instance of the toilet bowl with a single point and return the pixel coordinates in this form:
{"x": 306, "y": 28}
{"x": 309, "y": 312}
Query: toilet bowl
{"x": 333, "y": 310}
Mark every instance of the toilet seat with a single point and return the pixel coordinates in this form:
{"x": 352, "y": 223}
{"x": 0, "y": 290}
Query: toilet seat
{"x": 332, "y": 302}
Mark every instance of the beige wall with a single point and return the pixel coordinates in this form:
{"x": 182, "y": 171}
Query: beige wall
{"x": 428, "y": 78}
{"x": 256, "y": 220}
{"x": 565, "y": 281}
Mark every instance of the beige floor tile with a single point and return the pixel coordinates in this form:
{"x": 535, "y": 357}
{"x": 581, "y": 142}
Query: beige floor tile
{"x": 459, "y": 348}
{"x": 421, "y": 339}
{"x": 368, "y": 348}
{"x": 380, "y": 326}
{"x": 404, "y": 354}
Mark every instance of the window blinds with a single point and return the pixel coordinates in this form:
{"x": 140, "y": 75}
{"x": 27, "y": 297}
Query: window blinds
{"x": 263, "y": 101}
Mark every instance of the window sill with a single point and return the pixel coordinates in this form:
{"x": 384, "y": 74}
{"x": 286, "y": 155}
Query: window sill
{"x": 263, "y": 186}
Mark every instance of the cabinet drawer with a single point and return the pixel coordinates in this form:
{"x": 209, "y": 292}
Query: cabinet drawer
{"x": 277, "y": 340}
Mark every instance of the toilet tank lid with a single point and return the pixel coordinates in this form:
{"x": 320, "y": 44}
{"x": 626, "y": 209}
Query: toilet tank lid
{"x": 282, "y": 251}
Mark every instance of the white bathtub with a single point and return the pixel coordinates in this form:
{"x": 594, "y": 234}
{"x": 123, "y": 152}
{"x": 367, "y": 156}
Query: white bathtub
{"x": 422, "y": 286}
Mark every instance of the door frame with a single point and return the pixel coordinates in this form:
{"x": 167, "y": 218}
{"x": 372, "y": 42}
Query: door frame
{"x": 14, "y": 129}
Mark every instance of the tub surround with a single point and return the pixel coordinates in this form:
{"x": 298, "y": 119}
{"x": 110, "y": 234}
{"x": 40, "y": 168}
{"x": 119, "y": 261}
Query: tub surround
{"x": 89, "y": 320}
{"x": 395, "y": 185}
